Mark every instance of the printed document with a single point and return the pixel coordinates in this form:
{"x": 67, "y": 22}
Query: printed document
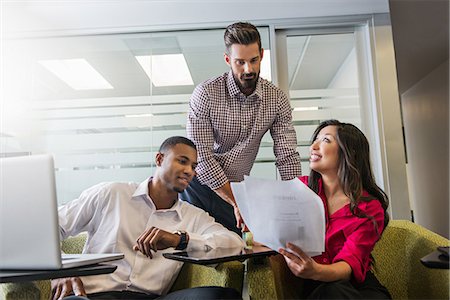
{"x": 277, "y": 212}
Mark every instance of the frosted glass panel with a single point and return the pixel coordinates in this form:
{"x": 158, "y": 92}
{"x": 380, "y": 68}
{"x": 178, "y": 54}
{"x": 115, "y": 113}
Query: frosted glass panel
{"x": 109, "y": 134}
{"x": 323, "y": 83}
{"x": 112, "y": 134}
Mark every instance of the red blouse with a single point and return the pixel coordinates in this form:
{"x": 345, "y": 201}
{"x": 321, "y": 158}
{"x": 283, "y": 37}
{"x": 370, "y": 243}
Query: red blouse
{"x": 348, "y": 237}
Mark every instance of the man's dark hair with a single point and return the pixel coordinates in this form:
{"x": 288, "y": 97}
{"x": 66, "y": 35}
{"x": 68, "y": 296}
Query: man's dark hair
{"x": 242, "y": 33}
{"x": 171, "y": 142}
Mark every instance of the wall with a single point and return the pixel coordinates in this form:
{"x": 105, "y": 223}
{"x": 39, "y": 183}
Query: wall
{"x": 421, "y": 37}
{"x": 425, "y": 116}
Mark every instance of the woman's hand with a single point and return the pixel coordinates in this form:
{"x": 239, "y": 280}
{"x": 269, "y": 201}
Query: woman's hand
{"x": 300, "y": 264}
{"x": 303, "y": 266}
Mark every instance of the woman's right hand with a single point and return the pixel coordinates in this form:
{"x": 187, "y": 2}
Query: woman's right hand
{"x": 300, "y": 263}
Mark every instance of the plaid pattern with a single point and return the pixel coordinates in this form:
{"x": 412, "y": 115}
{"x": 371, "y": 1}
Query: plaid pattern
{"x": 227, "y": 128}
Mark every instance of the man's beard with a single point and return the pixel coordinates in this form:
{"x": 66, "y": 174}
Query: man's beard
{"x": 178, "y": 190}
{"x": 247, "y": 81}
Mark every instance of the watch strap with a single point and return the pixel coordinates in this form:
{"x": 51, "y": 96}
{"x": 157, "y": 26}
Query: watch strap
{"x": 183, "y": 240}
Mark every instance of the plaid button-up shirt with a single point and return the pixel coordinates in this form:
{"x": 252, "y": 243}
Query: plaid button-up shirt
{"x": 227, "y": 128}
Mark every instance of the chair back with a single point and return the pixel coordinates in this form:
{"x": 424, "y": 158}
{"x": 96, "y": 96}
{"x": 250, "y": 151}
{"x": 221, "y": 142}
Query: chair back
{"x": 397, "y": 262}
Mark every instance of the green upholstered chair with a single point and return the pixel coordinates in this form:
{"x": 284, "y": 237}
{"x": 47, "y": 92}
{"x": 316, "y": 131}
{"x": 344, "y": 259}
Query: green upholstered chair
{"x": 397, "y": 265}
{"x": 229, "y": 274}
{"x": 397, "y": 262}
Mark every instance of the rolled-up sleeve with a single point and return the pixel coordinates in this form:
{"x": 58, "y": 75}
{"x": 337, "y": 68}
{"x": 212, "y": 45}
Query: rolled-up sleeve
{"x": 359, "y": 244}
{"x": 285, "y": 141}
{"x": 200, "y": 131}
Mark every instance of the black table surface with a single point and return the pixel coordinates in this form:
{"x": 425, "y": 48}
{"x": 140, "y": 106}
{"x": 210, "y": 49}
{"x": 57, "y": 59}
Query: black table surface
{"x": 220, "y": 255}
{"x": 31, "y": 275}
{"x": 435, "y": 260}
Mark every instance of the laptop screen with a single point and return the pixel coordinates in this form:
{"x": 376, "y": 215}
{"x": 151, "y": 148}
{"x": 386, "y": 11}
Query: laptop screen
{"x": 29, "y": 227}
{"x": 29, "y": 231}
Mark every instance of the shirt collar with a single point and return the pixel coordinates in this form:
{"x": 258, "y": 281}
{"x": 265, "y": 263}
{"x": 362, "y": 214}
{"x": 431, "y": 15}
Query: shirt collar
{"x": 142, "y": 193}
{"x": 235, "y": 91}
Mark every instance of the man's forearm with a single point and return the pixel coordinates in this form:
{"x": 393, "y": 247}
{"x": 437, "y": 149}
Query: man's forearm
{"x": 226, "y": 193}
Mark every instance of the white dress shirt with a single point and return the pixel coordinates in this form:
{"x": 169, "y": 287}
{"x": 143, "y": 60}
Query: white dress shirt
{"x": 114, "y": 216}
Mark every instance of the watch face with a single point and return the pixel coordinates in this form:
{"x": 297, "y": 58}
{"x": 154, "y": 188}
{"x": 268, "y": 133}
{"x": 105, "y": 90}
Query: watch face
{"x": 183, "y": 240}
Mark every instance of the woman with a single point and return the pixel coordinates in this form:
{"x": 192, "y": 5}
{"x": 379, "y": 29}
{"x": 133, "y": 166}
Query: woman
{"x": 355, "y": 212}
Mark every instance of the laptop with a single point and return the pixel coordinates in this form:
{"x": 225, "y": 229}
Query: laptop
{"x": 29, "y": 228}
{"x": 220, "y": 255}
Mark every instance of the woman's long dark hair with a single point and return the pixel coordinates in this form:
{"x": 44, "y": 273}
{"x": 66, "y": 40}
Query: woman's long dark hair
{"x": 354, "y": 171}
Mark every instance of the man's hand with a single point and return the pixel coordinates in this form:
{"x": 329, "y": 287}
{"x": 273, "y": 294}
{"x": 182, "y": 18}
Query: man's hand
{"x": 155, "y": 239}
{"x": 239, "y": 220}
{"x": 64, "y": 287}
{"x": 226, "y": 194}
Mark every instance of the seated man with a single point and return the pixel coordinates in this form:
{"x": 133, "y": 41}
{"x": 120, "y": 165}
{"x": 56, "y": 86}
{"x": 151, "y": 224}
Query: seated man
{"x": 139, "y": 220}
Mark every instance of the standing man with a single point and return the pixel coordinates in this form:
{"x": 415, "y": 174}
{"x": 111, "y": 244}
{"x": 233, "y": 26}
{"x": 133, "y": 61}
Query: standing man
{"x": 228, "y": 116}
{"x": 143, "y": 221}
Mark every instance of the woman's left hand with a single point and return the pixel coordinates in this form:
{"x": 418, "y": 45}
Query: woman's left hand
{"x": 300, "y": 264}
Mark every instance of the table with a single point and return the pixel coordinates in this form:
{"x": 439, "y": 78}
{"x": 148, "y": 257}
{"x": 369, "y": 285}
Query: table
{"x": 31, "y": 275}
{"x": 220, "y": 255}
{"x": 435, "y": 260}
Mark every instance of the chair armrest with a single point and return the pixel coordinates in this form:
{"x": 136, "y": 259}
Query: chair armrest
{"x": 270, "y": 278}
{"x": 261, "y": 279}
{"x": 397, "y": 262}
{"x": 19, "y": 290}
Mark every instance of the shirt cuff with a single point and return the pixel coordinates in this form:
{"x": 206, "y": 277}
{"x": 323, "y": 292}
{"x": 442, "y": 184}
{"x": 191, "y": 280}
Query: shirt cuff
{"x": 212, "y": 182}
{"x": 197, "y": 243}
{"x": 289, "y": 168}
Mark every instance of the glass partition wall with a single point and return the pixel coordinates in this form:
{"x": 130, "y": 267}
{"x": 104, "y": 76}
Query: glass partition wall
{"x": 102, "y": 104}
{"x": 320, "y": 73}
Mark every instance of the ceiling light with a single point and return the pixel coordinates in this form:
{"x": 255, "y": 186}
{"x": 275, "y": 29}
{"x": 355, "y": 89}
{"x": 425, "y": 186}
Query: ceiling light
{"x": 166, "y": 69}
{"x": 77, "y": 73}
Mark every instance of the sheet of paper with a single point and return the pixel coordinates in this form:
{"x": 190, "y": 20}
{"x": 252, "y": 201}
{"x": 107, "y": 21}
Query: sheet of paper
{"x": 239, "y": 192}
{"x": 277, "y": 212}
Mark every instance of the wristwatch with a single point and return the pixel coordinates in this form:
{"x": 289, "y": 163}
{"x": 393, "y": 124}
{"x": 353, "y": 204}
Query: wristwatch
{"x": 183, "y": 240}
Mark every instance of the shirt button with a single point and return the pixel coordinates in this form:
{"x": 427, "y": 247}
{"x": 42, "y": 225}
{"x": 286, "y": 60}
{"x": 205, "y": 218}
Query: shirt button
{"x": 325, "y": 260}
